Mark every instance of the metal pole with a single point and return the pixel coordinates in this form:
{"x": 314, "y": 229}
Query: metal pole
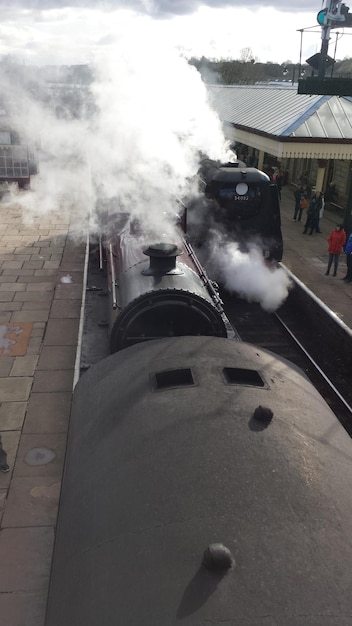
{"x": 333, "y": 65}
{"x": 113, "y": 278}
{"x": 324, "y": 51}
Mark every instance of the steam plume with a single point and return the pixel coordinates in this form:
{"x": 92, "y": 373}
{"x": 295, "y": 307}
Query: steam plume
{"x": 247, "y": 274}
{"x": 136, "y": 141}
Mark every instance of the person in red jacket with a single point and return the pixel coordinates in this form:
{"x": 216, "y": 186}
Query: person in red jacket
{"x": 336, "y": 241}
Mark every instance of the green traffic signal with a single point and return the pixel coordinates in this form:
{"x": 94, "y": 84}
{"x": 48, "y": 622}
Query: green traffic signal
{"x": 335, "y": 19}
{"x": 321, "y": 17}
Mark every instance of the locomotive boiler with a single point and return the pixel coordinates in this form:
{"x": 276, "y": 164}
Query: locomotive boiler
{"x": 242, "y": 202}
{"x": 157, "y": 287}
{"x": 206, "y": 482}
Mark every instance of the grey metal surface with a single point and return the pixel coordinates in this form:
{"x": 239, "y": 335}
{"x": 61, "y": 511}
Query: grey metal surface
{"x": 154, "y": 475}
{"x": 281, "y": 112}
{"x": 159, "y": 290}
{"x": 14, "y": 161}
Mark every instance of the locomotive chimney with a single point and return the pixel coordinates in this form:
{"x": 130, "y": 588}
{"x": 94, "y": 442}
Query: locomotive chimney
{"x": 162, "y": 259}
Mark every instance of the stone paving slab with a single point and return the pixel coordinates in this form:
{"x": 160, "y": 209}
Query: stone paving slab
{"x": 23, "y": 608}
{"x": 3, "y": 496}
{"x": 69, "y": 292}
{"x": 65, "y": 309}
{"x": 53, "y": 381}
{"x": 61, "y": 332}
{"x": 27, "y": 555}
{"x": 48, "y": 412}
{"x": 32, "y": 501}
{"x": 12, "y": 415}
{"x": 33, "y": 305}
{"x": 24, "y": 365}
{"x": 15, "y": 389}
{"x": 6, "y": 363}
{"x": 57, "y": 357}
{"x": 40, "y": 454}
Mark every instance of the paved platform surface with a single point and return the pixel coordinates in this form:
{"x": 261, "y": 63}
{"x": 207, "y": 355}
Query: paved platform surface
{"x": 36, "y": 380}
{"x": 39, "y": 324}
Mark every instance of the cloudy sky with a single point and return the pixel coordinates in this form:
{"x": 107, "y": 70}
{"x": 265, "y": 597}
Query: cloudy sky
{"x": 78, "y": 31}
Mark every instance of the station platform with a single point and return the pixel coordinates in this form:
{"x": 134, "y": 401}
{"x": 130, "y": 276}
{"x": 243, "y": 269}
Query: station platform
{"x": 41, "y": 289}
{"x": 307, "y": 258}
{"x": 40, "y": 309}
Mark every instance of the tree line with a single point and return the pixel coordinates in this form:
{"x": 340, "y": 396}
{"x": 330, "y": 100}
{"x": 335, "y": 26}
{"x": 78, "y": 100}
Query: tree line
{"x": 247, "y": 70}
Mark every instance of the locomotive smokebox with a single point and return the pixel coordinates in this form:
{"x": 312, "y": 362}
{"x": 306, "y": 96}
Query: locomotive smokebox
{"x": 162, "y": 259}
{"x": 161, "y": 298}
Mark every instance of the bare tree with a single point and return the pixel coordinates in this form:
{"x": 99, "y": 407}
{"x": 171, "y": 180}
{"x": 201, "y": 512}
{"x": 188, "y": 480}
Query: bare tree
{"x": 247, "y": 56}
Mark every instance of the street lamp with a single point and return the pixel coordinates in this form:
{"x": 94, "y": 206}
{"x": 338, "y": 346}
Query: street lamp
{"x": 301, "y": 72}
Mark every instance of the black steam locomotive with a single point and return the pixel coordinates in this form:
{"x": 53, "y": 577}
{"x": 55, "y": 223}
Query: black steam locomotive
{"x": 157, "y": 288}
{"x": 240, "y": 201}
{"x": 206, "y": 482}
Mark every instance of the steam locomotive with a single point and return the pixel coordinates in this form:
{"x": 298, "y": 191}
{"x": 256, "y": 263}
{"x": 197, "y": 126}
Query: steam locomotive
{"x": 160, "y": 289}
{"x": 157, "y": 288}
{"x": 206, "y": 481}
{"x": 242, "y": 202}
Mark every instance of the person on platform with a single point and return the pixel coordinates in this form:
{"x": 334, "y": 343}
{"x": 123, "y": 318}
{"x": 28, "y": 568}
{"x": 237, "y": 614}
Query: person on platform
{"x": 321, "y": 213}
{"x": 336, "y": 242}
{"x": 313, "y": 213}
{"x": 277, "y": 178}
{"x": 304, "y": 179}
{"x": 301, "y": 202}
{"x": 331, "y": 193}
{"x": 348, "y": 252}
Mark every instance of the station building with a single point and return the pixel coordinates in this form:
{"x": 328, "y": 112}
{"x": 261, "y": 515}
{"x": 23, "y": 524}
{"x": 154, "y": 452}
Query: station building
{"x": 274, "y": 126}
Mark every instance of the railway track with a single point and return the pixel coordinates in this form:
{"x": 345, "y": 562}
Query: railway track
{"x": 308, "y": 338}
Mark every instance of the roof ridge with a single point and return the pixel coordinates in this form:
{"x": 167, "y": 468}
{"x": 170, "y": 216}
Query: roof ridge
{"x": 303, "y": 117}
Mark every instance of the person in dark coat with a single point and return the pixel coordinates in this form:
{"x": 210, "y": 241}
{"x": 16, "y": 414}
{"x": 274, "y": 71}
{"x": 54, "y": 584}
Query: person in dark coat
{"x": 301, "y": 202}
{"x": 313, "y": 213}
{"x": 277, "y": 178}
{"x": 336, "y": 241}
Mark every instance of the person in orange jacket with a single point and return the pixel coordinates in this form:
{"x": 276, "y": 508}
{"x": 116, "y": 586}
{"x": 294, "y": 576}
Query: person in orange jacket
{"x": 336, "y": 241}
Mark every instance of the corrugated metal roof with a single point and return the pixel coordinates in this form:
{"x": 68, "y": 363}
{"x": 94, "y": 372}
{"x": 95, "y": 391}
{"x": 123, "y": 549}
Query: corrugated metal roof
{"x": 281, "y": 112}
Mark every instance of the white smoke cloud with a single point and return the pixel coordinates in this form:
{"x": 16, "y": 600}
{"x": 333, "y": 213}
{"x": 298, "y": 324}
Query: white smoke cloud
{"x": 142, "y": 144}
{"x": 138, "y": 150}
{"x": 247, "y": 274}
{"x": 153, "y": 122}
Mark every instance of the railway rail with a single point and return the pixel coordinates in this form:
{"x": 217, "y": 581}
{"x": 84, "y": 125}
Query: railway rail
{"x": 308, "y": 335}
{"x": 302, "y": 331}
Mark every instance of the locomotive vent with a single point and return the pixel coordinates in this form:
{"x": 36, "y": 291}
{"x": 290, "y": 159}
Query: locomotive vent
{"x": 162, "y": 259}
{"x": 183, "y": 377}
